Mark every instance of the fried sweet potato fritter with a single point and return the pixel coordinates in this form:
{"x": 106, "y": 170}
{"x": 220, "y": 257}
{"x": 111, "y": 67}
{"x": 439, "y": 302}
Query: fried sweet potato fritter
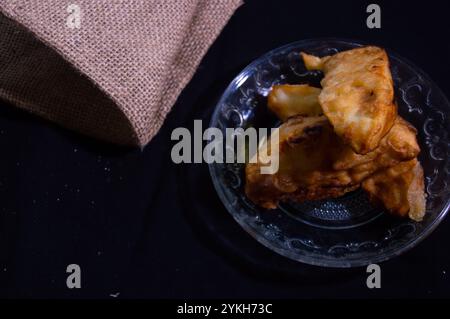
{"x": 360, "y": 140}
{"x": 288, "y": 100}
{"x": 314, "y": 163}
{"x": 400, "y": 189}
{"x": 357, "y": 95}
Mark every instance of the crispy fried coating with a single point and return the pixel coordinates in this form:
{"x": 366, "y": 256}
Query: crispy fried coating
{"x": 357, "y": 95}
{"x": 398, "y": 145}
{"x": 313, "y": 62}
{"x": 359, "y": 141}
{"x": 400, "y": 189}
{"x": 288, "y": 100}
{"x": 314, "y": 163}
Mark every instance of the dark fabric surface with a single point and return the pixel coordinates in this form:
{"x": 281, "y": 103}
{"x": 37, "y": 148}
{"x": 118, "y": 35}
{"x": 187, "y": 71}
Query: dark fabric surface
{"x": 143, "y": 227}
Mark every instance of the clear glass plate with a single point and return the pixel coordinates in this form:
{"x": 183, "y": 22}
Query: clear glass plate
{"x": 347, "y": 231}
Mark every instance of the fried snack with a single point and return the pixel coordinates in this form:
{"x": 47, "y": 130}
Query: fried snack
{"x": 288, "y": 100}
{"x": 295, "y": 137}
{"x": 400, "y": 189}
{"x": 398, "y": 145}
{"x": 357, "y": 95}
{"x": 313, "y": 62}
{"x": 314, "y": 163}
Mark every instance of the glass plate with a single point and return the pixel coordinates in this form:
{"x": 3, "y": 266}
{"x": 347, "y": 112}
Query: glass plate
{"x": 347, "y": 231}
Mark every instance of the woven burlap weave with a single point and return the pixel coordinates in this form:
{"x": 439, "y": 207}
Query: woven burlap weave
{"x": 117, "y": 75}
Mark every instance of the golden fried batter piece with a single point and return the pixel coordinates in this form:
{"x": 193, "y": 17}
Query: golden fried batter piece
{"x": 313, "y": 62}
{"x": 357, "y": 95}
{"x": 398, "y": 145}
{"x": 400, "y": 189}
{"x": 295, "y": 138}
{"x": 314, "y": 163}
{"x": 288, "y": 100}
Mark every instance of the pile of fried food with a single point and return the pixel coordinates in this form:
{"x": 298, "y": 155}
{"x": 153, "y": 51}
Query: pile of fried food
{"x": 342, "y": 136}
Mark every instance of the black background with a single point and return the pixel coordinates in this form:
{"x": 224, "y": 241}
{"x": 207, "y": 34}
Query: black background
{"x": 143, "y": 227}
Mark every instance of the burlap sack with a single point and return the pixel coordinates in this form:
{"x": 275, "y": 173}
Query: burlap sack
{"x": 114, "y": 76}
